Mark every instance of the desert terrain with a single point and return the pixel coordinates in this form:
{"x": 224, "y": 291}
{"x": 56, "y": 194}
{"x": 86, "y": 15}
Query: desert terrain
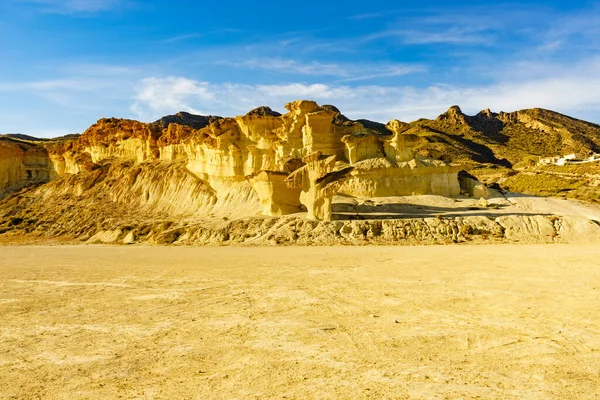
{"x": 259, "y": 308}
{"x": 409, "y": 322}
{"x": 239, "y": 200}
{"x": 308, "y": 176}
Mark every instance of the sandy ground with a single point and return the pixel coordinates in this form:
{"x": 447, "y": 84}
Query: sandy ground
{"x": 490, "y": 322}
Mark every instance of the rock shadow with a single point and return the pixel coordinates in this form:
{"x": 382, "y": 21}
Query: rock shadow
{"x": 367, "y": 211}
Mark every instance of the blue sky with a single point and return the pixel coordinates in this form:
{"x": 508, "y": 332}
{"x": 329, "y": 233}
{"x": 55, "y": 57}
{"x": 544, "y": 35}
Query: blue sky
{"x": 66, "y": 63}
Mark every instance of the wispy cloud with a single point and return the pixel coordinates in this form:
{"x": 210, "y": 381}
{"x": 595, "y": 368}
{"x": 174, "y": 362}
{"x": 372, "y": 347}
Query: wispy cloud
{"x": 550, "y": 46}
{"x": 449, "y": 36}
{"x": 93, "y": 69}
{"x": 76, "y": 6}
{"x": 342, "y": 72}
{"x": 224, "y": 31}
{"x": 578, "y": 32}
{"x": 386, "y": 72}
{"x": 85, "y": 86}
{"x": 288, "y": 66}
{"x": 69, "y": 99}
{"x": 77, "y": 77}
{"x": 181, "y": 38}
{"x": 367, "y": 16}
{"x": 576, "y": 93}
{"x": 173, "y": 93}
{"x": 48, "y": 85}
{"x": 407, "y": 64}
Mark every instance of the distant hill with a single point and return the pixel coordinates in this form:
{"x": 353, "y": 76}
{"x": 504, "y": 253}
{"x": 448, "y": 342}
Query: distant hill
{"x": 505, "y": 139}
{"x": 21, "y": 136}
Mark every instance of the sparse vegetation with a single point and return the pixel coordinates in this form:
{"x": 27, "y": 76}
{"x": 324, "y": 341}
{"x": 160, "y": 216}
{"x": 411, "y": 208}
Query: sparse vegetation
{"x": 545, "y": 184}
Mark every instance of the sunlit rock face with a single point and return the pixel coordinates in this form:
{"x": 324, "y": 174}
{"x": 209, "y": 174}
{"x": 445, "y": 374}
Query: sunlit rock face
{"x": 66, "y": 157}
{"x": 69, "y": 163}
{"x": 386, "y": 165}
{"x": 216, "y": 154}
{"x": 268, "y": 161}
{"x": 275, "y": 196}
{"x": 22, "y": 164}
{"x": 120, "y": 138}
{"x": 380, "y": 177}
{"x": 324, "y": 130}
{"x": 362, "y": 146}
{"x": 399, "y": 146}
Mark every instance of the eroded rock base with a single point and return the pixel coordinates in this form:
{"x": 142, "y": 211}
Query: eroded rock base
{"x": 413, "y": 231}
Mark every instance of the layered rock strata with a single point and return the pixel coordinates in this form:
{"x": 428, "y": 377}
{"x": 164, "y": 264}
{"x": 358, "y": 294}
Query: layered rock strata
{"x": 250, "y": 156}
{"x": 22, "y": 164}
{"x": 291, "y": 230}
{"x": 188, "y": 179}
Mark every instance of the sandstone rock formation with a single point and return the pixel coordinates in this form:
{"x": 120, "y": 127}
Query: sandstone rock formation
{"x": 319, "y": 182}
{"x": 316, "y": 144}
{"x": 22, "y": 164}
{"x": 470, "y": 186}
{"x": 120, "y": 173}
{"x": 386, "y": 165}
{"x": 276, "y": 197}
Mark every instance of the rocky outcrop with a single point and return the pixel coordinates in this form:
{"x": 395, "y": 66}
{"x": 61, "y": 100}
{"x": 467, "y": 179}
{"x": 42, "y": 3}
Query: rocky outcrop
{"x": 386, "y": 165}
{"x": 116, "y": 195}
{"x": 453, "y": 115}
{"x": 276, "y": 197}
{"x": 362, "y": 146}
{"x": 291, "y": 230}
{"x": 324, "y": 130}
{"x": 260, "y": 148}
{"x": 204, "y": 179}
{"x": 399, "y": 146}
{"x": 221, "y": 170}
{"x": 380, "y": 177}
{"x": 186, "y": 119}
{"x": 318, "y": 180}
{"x": 470, "y": 186}
{"x": 22, "y": 164}
{"x": 120, "y": 138}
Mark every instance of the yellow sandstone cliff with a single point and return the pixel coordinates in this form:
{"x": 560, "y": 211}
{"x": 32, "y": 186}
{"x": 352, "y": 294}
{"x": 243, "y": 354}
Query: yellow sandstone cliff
{"x": 22, "y": 164}
{"x": 246, "y": 161}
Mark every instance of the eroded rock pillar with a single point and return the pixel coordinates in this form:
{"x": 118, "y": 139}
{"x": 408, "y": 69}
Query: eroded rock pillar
{"x": 318, "y": 183}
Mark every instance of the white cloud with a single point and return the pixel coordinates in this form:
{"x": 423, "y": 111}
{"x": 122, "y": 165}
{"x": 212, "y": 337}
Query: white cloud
{"x": 94, "y": 69}
{"x": 387, "y": 72}
{"x": 368, "y": 16}
{"x": 575, "y": 94}
{"x": 155, "y": 95}
{"x": 49, "y": 85}
{"x": 550, "y": 46}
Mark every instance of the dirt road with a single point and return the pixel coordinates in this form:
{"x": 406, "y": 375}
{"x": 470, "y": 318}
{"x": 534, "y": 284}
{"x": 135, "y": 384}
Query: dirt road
{"x": 492, "y": 322}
